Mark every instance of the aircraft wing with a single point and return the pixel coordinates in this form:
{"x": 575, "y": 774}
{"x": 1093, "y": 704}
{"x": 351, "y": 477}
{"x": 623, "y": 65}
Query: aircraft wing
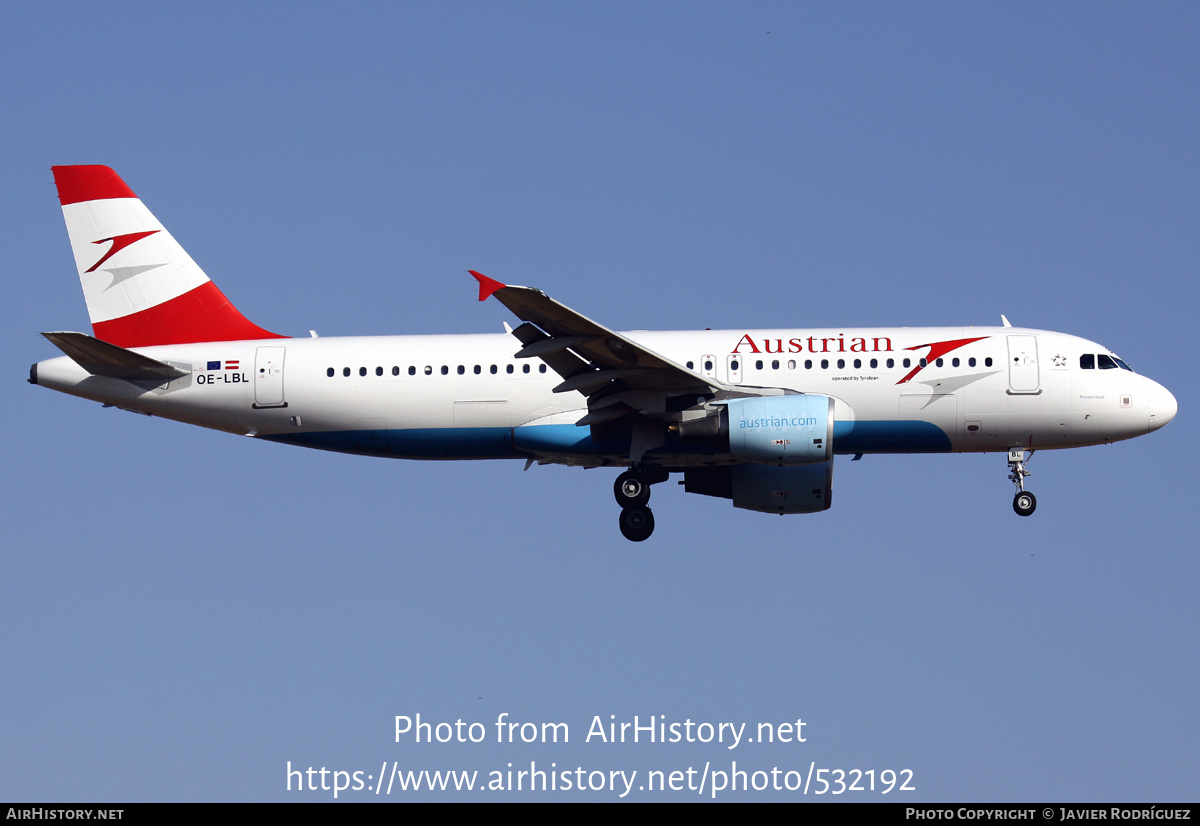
{"x": 619, "y": 377}
{"x": 590, "y": 357}
{"x": 605, "y": 355}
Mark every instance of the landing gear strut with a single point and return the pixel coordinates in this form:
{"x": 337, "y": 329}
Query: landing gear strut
{"x": 632, "y": 492}
{"x": 1024, "y": 502}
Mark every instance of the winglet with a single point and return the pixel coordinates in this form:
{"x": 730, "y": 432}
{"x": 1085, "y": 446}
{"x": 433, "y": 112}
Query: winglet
{"x": 487, "y": 286}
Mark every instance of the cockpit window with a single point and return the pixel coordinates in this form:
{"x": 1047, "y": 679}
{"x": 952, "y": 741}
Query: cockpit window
{"x": 1088, "y": 362}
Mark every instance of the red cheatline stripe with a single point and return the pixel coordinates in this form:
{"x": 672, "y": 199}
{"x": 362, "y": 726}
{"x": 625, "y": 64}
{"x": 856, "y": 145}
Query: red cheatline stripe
{"x": 202, "y": 314}
{"x": 88, "y": 183}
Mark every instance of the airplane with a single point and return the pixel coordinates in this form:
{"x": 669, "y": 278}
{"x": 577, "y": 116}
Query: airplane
{"x": 752, "y": 416}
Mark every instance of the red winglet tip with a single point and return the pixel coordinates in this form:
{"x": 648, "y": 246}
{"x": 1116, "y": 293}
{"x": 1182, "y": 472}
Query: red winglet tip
{"x": 487, "y": 286}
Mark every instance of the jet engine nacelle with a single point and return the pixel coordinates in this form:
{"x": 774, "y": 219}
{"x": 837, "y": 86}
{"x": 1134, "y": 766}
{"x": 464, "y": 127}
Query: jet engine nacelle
{"x": 802, "y": 489}
{"x": 769, "y": 430}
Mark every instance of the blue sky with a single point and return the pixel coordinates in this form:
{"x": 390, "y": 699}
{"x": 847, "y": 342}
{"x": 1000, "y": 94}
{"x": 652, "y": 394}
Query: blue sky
{"x": 186, "y": 611}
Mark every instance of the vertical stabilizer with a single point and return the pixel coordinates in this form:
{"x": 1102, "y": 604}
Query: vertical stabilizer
{"x": 141, "y": 287}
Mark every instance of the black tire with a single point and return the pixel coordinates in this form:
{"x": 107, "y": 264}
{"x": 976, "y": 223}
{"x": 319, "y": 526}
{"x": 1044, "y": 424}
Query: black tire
{"x": 637, "y": 524}
{"x": 631, "y": 490}
{"x": 1024, "y": 503}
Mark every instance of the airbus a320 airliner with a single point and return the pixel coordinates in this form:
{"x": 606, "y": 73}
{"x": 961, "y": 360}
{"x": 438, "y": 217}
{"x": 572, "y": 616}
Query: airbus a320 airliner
{"x": 754, "y": 416}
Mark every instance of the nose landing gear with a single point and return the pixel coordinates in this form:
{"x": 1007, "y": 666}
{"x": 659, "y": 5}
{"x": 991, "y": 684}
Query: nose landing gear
{"x": 1024, "y": 502}
{"x": 632, "y": 492}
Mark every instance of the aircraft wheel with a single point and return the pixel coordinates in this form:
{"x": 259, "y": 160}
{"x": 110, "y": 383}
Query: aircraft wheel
{"x": 637, "y": 524}
{"x": 631, "y": 490}
{"x": 1024, "y": 503}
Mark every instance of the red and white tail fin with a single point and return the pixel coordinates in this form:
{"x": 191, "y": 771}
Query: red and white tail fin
{"x": 141, "y": 287}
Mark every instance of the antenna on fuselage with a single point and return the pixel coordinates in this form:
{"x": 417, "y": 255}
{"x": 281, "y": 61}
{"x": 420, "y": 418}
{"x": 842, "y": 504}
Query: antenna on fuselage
{"x": 1004, "y": 318}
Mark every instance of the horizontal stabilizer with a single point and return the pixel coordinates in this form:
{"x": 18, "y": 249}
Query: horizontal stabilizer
{"x": 103, "y": 359}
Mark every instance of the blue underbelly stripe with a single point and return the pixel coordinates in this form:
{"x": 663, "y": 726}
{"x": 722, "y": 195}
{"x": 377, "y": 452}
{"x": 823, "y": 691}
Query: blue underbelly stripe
{"x": 889, "y": 437}
{"x": 497, "y": 442}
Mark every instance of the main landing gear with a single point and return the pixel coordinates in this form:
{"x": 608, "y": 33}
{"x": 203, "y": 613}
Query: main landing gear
{"x": 1024, "y": 502}
{"x": 632, "y": 492}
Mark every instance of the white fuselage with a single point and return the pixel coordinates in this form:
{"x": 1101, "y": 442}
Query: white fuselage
{"x": 467, "y": 397}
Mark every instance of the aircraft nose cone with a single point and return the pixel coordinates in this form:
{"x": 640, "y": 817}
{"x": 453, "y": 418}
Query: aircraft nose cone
{"x": 1163, "y": 407}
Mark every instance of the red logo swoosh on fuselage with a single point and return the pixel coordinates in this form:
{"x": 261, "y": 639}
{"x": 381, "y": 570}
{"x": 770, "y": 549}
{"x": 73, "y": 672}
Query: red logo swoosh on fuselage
{"x": 937, "y": 349}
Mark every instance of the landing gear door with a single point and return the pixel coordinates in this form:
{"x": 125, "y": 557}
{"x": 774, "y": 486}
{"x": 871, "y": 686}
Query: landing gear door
{"x": 268, "y": 377}
{"x": 1023, "y": 364}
